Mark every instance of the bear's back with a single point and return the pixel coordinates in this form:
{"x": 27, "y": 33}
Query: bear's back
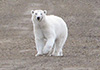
{"x": 59, "y": 24}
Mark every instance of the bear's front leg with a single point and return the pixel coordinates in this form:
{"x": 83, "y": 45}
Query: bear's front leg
{"x": 39, "y": 46}
{"x": 48, "y": 46}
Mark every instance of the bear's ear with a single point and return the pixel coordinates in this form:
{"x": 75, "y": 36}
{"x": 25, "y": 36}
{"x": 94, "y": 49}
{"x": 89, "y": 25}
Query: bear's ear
{"x": 45, "y": 11}
{"x": 32, "y": 11}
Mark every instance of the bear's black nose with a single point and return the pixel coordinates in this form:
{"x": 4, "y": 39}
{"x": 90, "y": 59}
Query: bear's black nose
{"x": 38, "y": 18}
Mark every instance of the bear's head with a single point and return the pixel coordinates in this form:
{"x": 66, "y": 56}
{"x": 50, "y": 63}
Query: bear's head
{"x": 38, "y": 15}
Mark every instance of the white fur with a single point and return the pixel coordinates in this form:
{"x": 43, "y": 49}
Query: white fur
{"x": 50, "y": 33}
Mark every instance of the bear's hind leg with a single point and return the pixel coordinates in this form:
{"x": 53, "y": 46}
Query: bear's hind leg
{"x": 59, "y": 46}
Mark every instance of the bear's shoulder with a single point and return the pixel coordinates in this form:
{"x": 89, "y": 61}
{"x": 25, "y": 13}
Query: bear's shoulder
{"x": 53, "y": 17}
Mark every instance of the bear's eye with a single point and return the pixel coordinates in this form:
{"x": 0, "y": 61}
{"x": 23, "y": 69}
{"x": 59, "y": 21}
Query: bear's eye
{"x": 35, "y": 13}
{"x": 41, "y": 13}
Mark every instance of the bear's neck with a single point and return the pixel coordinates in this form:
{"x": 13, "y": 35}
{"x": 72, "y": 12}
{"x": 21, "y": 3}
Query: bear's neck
{"x": 41, "y": 24}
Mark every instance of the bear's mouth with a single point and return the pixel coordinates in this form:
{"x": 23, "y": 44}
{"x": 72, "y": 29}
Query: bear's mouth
{"x": 39, "y": 18}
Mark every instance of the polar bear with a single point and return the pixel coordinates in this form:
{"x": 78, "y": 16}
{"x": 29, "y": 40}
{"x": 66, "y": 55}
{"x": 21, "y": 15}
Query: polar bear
{"x": 50, "y": 33}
